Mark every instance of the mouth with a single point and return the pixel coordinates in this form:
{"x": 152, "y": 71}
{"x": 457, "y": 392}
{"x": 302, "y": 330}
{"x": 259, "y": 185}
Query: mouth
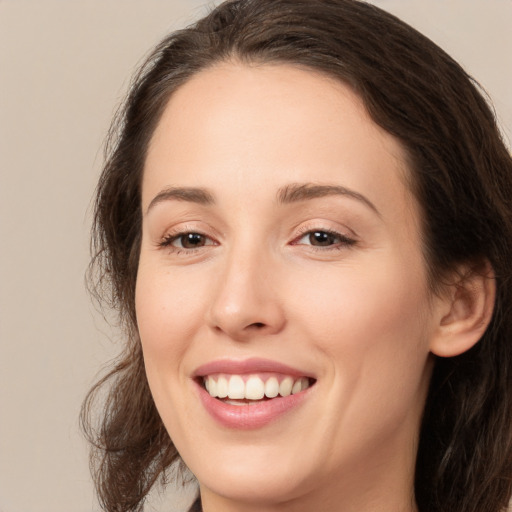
{"x": 251, "y": 389}
{"x": 251, "y": 393}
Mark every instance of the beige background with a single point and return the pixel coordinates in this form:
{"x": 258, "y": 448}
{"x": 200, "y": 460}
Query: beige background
{"x": 64, "y": 66}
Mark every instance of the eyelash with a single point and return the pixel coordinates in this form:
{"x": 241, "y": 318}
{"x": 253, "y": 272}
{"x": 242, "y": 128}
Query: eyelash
{"x": 170, "y": 238}
{"x": 343, "y": 243}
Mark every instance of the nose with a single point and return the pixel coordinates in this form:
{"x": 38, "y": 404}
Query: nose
{"x": 246, "y": 298}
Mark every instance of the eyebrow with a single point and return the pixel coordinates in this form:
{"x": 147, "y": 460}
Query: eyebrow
{"x": 292, "y": 193}
{"x": 297, "y": 192}
{"x": 189, "y": 194}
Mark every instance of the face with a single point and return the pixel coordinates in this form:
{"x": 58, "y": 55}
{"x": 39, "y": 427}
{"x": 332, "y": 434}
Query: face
{"x": 281, "y": 264}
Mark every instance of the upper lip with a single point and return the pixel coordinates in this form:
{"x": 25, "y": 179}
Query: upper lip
{"x": 245, "y": 366}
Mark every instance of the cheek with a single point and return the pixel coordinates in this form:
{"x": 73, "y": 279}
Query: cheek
{"x": 167, "y": 310}
{"x": 372, "y": 329}
{"x": 372, "y": 324}
{"x": 168, "y": 307}
{"x": 385, "y": 299}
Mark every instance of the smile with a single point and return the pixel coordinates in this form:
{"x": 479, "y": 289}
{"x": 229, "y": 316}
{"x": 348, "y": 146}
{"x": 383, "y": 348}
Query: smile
{"x": 252, "y": 393}
{"x": 243, "y": 389}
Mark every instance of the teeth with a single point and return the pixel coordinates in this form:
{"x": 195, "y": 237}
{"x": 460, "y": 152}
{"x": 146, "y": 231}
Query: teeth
{"x": 300, "y": 385}
{"x": 254, "y": 389}
{"x": 222, "y": 387}
{"x": 285, "y": 388}
{"x": 212, "y": 388}
{"x": 297, "y": 386}
{"x": 271, "y": 387}
{"x": 234, "y": 387}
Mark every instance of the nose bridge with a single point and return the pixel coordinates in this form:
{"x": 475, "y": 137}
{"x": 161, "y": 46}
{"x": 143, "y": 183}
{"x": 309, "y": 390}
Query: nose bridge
{"x": 245, "y": 299}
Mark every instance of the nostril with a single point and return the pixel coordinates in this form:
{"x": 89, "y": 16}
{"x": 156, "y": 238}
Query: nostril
{"x": 257, "y": 325}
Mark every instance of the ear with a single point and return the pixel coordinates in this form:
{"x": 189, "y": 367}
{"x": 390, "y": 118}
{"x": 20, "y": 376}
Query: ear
{"x": 463, "y": 310}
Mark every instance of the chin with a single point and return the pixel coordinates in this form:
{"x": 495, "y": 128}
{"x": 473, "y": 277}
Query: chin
{"x": 254, "y": 485}
{"x": 255, "y": 475}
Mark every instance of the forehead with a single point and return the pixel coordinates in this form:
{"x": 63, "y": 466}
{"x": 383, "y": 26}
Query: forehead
{"x": 255, "y": 128}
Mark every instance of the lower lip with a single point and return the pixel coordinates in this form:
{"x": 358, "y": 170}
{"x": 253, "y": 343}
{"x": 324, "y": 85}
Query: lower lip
{"x": 246, "y": 417}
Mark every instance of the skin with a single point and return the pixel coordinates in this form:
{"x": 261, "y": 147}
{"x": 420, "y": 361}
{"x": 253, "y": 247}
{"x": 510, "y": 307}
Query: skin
{"x": 358, "y": 316}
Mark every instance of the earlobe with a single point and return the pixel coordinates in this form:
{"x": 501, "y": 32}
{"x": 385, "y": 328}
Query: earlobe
{"x": 464, "y": 311}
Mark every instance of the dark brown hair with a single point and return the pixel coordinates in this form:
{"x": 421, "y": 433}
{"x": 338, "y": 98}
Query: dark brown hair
{"x": 461, "y": 174}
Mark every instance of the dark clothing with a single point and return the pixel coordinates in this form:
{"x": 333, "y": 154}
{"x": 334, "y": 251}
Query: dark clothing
{"x": 196, "y": 506}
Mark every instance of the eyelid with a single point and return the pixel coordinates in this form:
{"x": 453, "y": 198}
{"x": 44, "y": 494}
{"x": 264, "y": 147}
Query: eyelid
{"x": 174, "y": 233}
{"x": 171, "y": 238}
{"x": 327, "y": 227}
{"x": 345, "y": 240}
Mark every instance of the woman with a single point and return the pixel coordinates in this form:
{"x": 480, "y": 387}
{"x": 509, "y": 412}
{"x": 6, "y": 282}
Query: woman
{"x": 305, "y": 223}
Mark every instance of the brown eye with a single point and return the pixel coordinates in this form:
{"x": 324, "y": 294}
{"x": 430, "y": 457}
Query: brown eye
{"x": 322, "y": 238}
{"x": 186, "y": 241}
{"x": 190, "y": 240}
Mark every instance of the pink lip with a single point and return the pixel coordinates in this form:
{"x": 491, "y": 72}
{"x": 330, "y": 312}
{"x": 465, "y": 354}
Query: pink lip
{"x": 245, "y": 417}
{"x": 253, "y": 365}
{"x": 254, "y": 416}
